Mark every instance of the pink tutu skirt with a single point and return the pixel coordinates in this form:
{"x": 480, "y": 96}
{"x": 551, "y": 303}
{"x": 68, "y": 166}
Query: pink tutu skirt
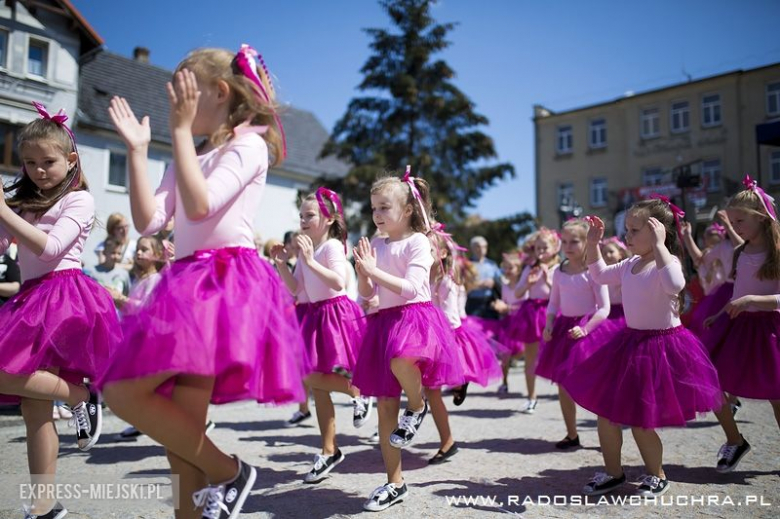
{"x": 220, "y": 313}
{"x": 526, "y": 324}
{"x": 708, "y": 306}
{"x": 491, "y": 328}
{"x": 60, "y": 320}
{"x": 647, "y": 379}
{"x": 332, "y": 332}
{"x": 562, "y": 354}
{"x": 478, "y": 357}
{"x": 617, "y": 316}
{"x": 415, "y": 331}
{"x": 747, "y": 356}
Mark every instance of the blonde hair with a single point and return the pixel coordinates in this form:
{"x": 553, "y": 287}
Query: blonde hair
{"x": 114, "y": 220}
{"x": 214, "y": 65}
{"x": 578, "y": 225}
{"x": 749, "y": 202}
{"x": 552, "y": 239}
{"x": 404, "y": 191}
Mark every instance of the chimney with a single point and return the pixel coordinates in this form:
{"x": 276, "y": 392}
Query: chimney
{"x": 141, "y": 54}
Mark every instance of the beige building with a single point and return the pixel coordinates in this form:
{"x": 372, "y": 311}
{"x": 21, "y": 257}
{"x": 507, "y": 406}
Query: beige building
{"x": 599, "y": 159}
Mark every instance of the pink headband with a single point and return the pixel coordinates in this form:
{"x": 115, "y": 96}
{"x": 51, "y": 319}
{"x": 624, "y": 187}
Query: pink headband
{"x": 247, "y": 65}
{"x": 767, "y": 201}
{"x": 614, "y": 240}
{"x": 334, "y": 198}
{"x": 408, "y": 179}
{"x": 676, "y": 211}
{"x": 60, "y": 118}
{"x": 717, "y": 228}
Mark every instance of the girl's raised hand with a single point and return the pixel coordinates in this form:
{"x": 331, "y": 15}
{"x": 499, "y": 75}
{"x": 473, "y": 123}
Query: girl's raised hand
{"x": 685, "y": 228}
{"x": 595, "y": 229}
{"x": 305, "y": 247}
{"x": 183, "y": 96}
{"x": 534, "y": 276}
{"x": 279, "y": 254}
{"x": 135, "y": 134}
{"x": 658, "y": 231}
{"x": 367, "y": 256}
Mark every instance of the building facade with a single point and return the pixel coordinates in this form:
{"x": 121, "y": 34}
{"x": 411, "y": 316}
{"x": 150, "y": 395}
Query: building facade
{"x": 693, "y": 142}
{"x": 50, "y": 54}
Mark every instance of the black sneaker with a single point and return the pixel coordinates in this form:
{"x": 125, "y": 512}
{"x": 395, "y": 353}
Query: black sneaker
{"x": 441, "y": 456}
{"x": 361, "y": 410}
{"x": 297, "y": 419}
{"x": 385, "y": 496}
{"x": 603, "y": 483}
{"x": 322, "y": 466}
{"x": 225, "y": 501}
{"x": 459, "y": 394}
{"x": 88, "y": 420}
{"x": 568, "y": 443}
{"x": 58, "y": 512}
{"x": 407, "y": 427}
{"x": 729, "y": 456}
{"x": 652, "y": 486}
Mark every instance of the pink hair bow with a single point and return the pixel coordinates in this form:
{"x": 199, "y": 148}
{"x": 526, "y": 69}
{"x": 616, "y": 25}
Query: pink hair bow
{"x": 247, "y": 60}
{"x": 678, "y": 213}
{"x": 767, "y": 201}
{"x": 60, "y": 118}
{"x": 408, "y": 179}
{"x": 717, "y": 228}
{"x": 324, "y": 192}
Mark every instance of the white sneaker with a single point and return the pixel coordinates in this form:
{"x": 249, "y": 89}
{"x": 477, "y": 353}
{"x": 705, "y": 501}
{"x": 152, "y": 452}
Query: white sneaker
{"x": 361, "y": 410}
{"x": 297, "y": 419}
{"x": 385, "y": 496}
{"x": 529, "y": 407}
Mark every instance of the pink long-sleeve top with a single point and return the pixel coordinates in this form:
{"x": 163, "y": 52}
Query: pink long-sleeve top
{"x": 715, "y": 267}
{"x": 311, "y": 288}
{"x": 576, "y": 295}
{"x": 410, "y": 259}
{"x": 235, "y": 177}
{"x": 649, "y": 297}
{"x": 540, "y": 289}
{"x": 747, "y": 282}
{"x": 67, "y": 225}
{"x": 463, "y": 296}
{"x": 508, "y": 295}
{"x": 615, "y": 295}
{"x": 445, "y": 295}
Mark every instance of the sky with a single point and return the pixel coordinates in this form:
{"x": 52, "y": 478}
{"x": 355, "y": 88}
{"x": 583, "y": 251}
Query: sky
{"x": 508, "y": 55}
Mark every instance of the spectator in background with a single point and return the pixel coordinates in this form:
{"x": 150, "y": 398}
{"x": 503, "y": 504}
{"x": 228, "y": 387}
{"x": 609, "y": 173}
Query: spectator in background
{"x": 110, "y": 273}
{"x": 118, "y": 228}
{"x": 291, "y": 247}
{"x": 482, "y": 295}
{"x": 10, "y": 277}
{"x": 270, "y": 244}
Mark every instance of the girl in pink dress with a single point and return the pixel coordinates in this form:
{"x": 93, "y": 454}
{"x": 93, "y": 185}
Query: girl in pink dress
{"x": 614, "y": 251}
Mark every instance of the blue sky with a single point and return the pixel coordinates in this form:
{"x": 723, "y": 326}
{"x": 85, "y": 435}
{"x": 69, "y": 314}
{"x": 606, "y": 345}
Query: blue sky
{"x": 508, "y": 54}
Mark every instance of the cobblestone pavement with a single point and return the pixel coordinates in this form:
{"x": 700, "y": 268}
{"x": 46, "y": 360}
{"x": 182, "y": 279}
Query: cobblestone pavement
{"x": 507, "y": 465}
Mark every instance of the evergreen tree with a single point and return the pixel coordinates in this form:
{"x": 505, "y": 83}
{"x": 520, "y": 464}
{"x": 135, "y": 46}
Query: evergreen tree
{"x": 412, "y": 113}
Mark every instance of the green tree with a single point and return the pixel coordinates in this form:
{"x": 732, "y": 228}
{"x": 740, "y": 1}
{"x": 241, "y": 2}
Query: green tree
{"x": 412, "y": 113}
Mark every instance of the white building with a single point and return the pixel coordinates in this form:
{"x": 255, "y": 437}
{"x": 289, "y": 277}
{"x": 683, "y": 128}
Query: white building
{"x": 50, "y": 54}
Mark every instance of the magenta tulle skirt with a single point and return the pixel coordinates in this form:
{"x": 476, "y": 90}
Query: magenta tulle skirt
{"x": 708, "y": 306}
{"x": 617, "y": 316}
{"x": 61, "y": 320}
{"x": 647, "y": 379}
{"x": 562, "y": 354}
{"x": 220, "y": 313}
{"x": 332, "y": 333}
{"x": 491, "y": 328}
{"x": 478, "y": 357}
{"x": 417, "y": 331}
{"x": 526, "y": 324}
{"x": 747, "y": 356}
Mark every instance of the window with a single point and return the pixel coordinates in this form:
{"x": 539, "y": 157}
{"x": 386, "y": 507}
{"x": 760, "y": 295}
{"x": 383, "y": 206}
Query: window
{"x": 37, "y": 57}
{"x": 565, "y": 140}
{"x": 8, "y": 156}
{"x": 710, "y": 175}
{"x": 565, "y": 193}
{"x": 774, "y": 167}
{"x": 3, "y": 48}
{"x": 598, "y": 192}
{"x": 773, "y": 99}
{"x": 710, "y": 110}
{"x": 680, "y": 117}
{"x": 652, "y": 177}
{"x": 117, "y": 170}
{"x": 650, "y": 123}
{"x": 598, "y": 133}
